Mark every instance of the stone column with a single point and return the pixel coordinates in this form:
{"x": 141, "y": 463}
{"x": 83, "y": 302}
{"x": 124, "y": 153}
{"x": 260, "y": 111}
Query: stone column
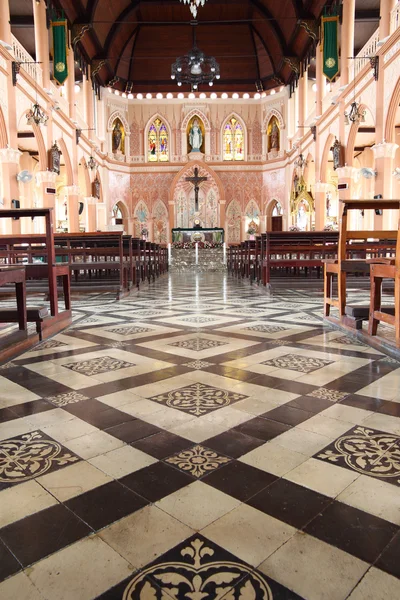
{"x": 42, "y": 40}
{"x": 171, "y": 217}
{"x": 320, "y": 190}
{"x": 347, "y": 41}
{"x": 346, "y": 175}
{"x": 73, "y": 193}
{"x": 222, "y": 213}
{"x": 9, "y": 163}
{"x": 47, "y": 179}
{"x": 385, "y": 13}
{"x": 303, "y": 98}
{"x": 321, "y": 82}
{"x": 263, "y": 223}
{"x": 5, "y": 29}
{"x": 91, "y": 212}
{"x": 384, "y": 162}
{"x": 88, "y": 103}
{"x": 243, "y": 232}
{"x": 70, "y": 83}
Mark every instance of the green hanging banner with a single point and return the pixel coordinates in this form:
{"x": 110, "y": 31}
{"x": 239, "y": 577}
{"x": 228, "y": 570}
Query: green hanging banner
{"x": 330, "y": 46}
{"x": 60, "y": 50}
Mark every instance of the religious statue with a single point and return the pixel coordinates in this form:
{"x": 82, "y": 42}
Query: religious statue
{"x": 117, "y": 137}
{"x": 274, "y": 136}
{"x": 328, "y": 204}
{"x": 195, "y": 136}
{"x": 302, "y": 217}
{"x": 336, "y": 152}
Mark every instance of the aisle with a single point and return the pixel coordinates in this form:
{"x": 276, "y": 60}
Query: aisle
{"x": 200, "y": 440}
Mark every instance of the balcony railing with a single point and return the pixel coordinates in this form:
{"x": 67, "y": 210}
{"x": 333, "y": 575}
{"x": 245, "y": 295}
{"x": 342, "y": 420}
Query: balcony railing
{"x": 369, "y": 49}
{"x": 28, "y": 64}
{"x": 395, "y": 18}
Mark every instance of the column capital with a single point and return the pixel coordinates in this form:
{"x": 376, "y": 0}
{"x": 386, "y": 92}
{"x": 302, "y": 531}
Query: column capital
{"x": 73, "y": 190}
{"x": 347, "y": 173}
{"x": 321, "y": 186}
{"x": 385, "y": 150}
{"x": 46, "y": 177}
{"x": 9, "y": 155}
{"x": 90, "y": 200}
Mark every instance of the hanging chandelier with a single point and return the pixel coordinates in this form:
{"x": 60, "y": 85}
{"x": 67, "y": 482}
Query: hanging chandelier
{"x": 300, "y": 162}
{"x": 193, "y": 5}
{"x": 91, "y": 163}
{"x": 36, "y": 116}
{"x": 356, "y": 114}
{"x": 195, "y": 67}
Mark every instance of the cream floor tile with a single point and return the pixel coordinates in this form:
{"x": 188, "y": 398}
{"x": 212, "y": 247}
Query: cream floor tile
{"x": 385, "y": 388}
{"x": 92, "y": 444}
{"x": 162, "y": 387}
{"x": 331, "y": 428}
{"x": 141, "y": 407}
{"x": 197, "y": 505}
{"x": 63, "y": 375}
{"x": 13, "y": 394}
{"x": 256, "y": 406}
{"x": 21, "y": 500}
{"x": 249, "y": 534}
{"x": 373, "y": 496}
{"x": 302, "y": 441}
{"x": 119, "y": 399}
{"x": 56, "y": 417}
{"x": 273, "y": 458}
{"x": 15, "y": 427}
{"x": 73, "y": 480}
{"x": 168, "y": 418}
{"x": 313, "y": 569}
{"x": 349, "y": 414}
{"x": 81, "y": 571}
{"x": 198, "y": 430}
{"x": 376, "y": 585}
{"x": 122, "y": 461}
{"x": 145, "y": 535}
{"x": 70, "y": 430}
{"x": 322, "y": 477}
{"x": 227, "y": 417}
{"x": 383, "y": 423}
{"x": 19, "y": 587}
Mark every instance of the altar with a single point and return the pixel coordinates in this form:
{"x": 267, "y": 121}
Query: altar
{"x": 208, "y": 237}
{"x": 198, "y": 250}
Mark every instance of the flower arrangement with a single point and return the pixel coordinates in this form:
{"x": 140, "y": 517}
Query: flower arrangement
{"x": 294, "y": 228}
{"x": 192, "y": 245}
{"x": 331, "y": 227}
{"x": 251, "y": 231}
{"x": 144, "y": 233}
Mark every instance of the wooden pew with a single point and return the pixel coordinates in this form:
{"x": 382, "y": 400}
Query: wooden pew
{"x": 356, "y": 248}
{"x": 296, "y": 250}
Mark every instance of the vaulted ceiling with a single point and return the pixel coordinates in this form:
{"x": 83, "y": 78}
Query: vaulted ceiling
{"x": 140, "y": 39}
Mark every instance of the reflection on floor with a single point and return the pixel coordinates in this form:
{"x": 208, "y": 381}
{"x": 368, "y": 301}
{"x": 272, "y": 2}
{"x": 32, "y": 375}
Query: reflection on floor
{"x": 200, "y": 440}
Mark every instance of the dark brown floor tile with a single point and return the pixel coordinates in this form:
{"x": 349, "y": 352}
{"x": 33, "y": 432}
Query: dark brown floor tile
{"x": 295, "y": 387}
{"x": 157, "y": 481}
{"x": 8, "y": 563}
{"x": 43, "y": 533}
{"x": 289, "y": 502}
{"x": 133, "y": 430}
{"x": 162, "y": 444}
{"x": 262, "y": 429}
{"x": 310, "y": 404}
{"x": 288, "y": 415}
{"x": 105, "y": 504}
{"x": 31, "y": 408}
{"x": 364, "y": 402}
{"x": 233, "y": 443}
{"x": 353, "y": 531}
{"x": 6, "y": 414}
{"x": 224, "y": 371}
{"x": 98, "y": 414}
{"x": 389, "y": 561}
{"x": 390, "y": 408}
{"x": 239, "y": 480}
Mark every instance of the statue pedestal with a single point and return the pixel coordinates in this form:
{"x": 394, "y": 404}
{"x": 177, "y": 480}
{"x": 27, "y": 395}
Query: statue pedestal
{"x": 196, "y": 156}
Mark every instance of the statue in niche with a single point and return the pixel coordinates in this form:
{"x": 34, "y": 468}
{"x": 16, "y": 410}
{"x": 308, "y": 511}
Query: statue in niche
{"x": 336, "y": 152}
{"x": 195, "y": 136}
{"x": 273, "y": 135}
{"x": 117, "y": 137}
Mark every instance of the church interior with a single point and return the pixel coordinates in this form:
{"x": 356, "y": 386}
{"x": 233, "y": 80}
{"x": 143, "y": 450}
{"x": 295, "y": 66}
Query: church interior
{"x": 199, "y": 300}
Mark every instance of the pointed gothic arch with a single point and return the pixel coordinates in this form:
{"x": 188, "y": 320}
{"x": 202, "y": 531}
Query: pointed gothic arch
{"x": 117, "y": 114}
{"x": 390, "y": 125}
{"x": 149, "y": 123}
{"x": 3, "y": 130}
{"x": 351, "y": 140}
{"x": 207, "y": 129}
{"x": 234, "y": 115}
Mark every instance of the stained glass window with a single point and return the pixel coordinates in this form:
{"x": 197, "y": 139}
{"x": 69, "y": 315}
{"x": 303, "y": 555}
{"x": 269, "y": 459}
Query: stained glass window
{"x": 158, "y": 147}
{"x": 233, "y": 140}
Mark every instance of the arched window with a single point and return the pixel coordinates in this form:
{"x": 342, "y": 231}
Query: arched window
{"x": 157, "y": 141}
{"x": 277, "y": 210}
{"x": 233, "y": 140}
{"x": 117, "y": 218}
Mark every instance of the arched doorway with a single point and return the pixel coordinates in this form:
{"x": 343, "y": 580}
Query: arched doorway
{"x": 119, "y": 217}
{"x": 274, "y": 215}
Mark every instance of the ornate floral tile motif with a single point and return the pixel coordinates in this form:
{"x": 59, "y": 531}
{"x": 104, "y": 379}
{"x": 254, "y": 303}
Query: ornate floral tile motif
{"x": 198, "y": 320}
{"x": 326, "y": 394}
{"x": 198, "y": 399}
{"x": 27, "y": 456}
{"x": 198, "y": 461}
{"x": 266, "y": 328}
{"x": 198, "y": 568}
{"x": 367, "y": 451}
{"x": 128, "y": 330}
{"x": 198, "y": 364}
{"x": 198, "y": 344}
{"x": 249, "y": 311}
{"x": 47, "y": 345}
{"x": 67, "y": 398}
{"x": 296, "y": 362}
{"x": 348, "y": 341}
{"x": 94, "y": 366}
{"x": 146, "y": 313}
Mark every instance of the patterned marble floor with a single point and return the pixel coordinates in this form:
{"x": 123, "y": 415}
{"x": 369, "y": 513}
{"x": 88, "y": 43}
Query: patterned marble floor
{"x": 200, "y": 440}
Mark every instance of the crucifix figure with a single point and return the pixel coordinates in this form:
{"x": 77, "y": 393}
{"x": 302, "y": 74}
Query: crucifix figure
{"x": 196, "y": 180}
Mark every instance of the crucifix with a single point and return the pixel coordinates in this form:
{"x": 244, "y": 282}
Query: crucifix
{"x": 196, "y": 180}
